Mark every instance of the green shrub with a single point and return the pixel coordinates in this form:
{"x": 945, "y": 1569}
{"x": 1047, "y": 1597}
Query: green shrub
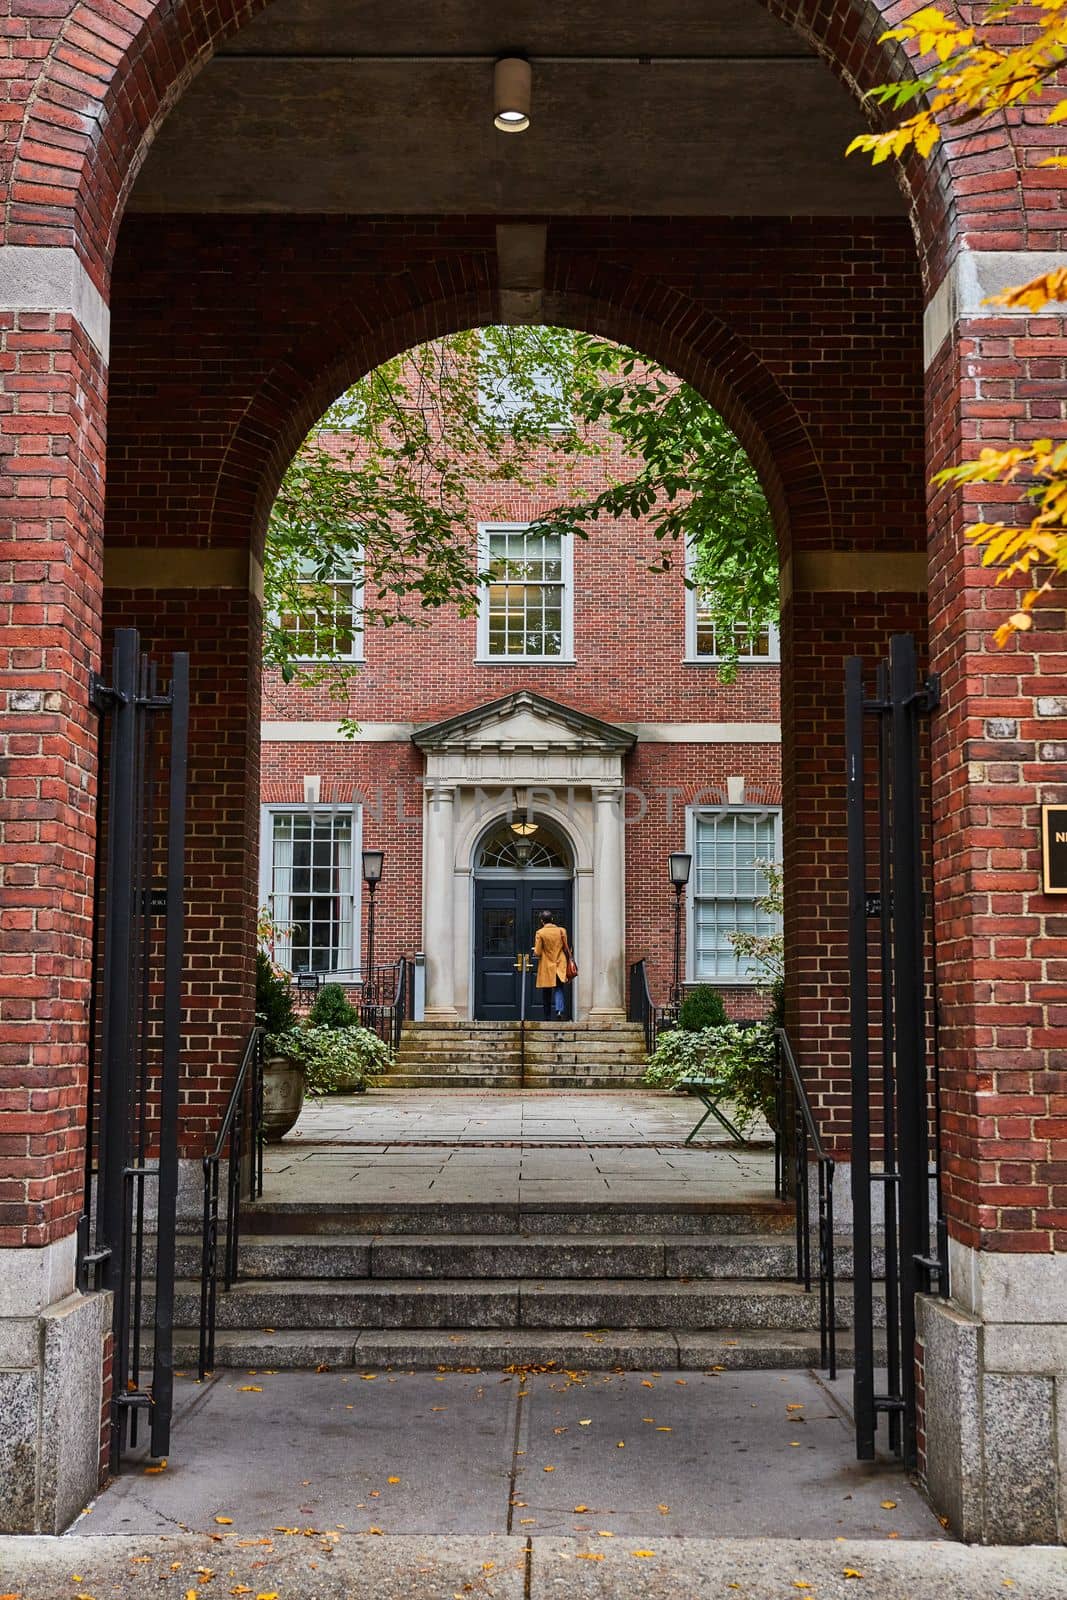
{"x": 332, "y": 1009}
{"x": 274, "y": 998}
{"x": 702, "y": 1008}
{"x": 740, "y": 1059}
{"x": 339, "y": 1060}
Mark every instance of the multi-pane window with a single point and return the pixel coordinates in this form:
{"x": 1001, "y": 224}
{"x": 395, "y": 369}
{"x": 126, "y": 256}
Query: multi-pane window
{"x": 727, "y": 882}
{"x": 330, "y": 629}
{"x": 310, "y": 889}
{"x": 753, "y": 643}
{"x": 526, "y": 597}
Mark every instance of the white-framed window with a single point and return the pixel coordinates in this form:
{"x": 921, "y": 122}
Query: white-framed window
{"x": 334, "y": 631}
{"x": 703, "y": 641}
{"x": 527, "y": 606}
{"x": 502, "y": 400}
{"x": 727, "y": 844}
{"x": 310, "y": 883}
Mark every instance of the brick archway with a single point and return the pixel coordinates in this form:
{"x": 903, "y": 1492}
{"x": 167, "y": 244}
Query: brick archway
{"x": 108, "y": 85}
{"x": 678, "y": 334}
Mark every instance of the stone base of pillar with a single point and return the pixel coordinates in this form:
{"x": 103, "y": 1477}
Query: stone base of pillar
{"x": 441, "y": 1014}
{"x": 994, "y": 1381}
{"x": 53, "y": 1345}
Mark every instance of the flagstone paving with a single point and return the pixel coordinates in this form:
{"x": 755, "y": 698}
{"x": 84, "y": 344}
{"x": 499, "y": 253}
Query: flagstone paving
{"x": 511, "y": 1146}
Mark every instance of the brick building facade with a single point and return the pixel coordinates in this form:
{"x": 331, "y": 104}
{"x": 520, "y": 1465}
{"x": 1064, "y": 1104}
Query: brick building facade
{"x": 635, "y": 649}
{"x": 159, "y": 365}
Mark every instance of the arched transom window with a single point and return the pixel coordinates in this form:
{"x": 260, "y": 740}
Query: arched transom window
{"x": 519, "y": 844}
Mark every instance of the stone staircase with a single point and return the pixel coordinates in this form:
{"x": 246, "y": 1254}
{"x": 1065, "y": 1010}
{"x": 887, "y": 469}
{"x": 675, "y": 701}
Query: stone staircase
{"x": 600, "y": 1285}
{"x": 488, "y": 1055}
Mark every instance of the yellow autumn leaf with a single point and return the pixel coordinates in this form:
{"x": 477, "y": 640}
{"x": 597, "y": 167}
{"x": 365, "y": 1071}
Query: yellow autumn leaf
{"x": 392, "y": 1480}
{"x": 250, "y": 1388}
{"x": 160, "y": 1466}
{"x": 525, "y": 1521}
{"x": 190, "y": 1594}
{"x": 642, "y": 1555}
{"x": 590, "y": 1555}
{"x": 799, "y": 1583}
{"x": 225, "y": 1521}
{"x": 851, "y": 1572}
{"x": 581, "y": 1508}
{"x": 549, "y": 1469}
{"x": 242, "y": 1588}
{"x": 889, "y": 1505}
{"x": 263, "y": 1595}
{"x": 583, "y": 1422}
{"x": 374, "y": 1530}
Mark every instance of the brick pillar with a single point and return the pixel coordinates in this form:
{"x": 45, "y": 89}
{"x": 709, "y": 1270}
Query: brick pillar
{"x": 995, "y": 1354}
{"x": 207, "y": 600}
{"x": 53, "y": 369}
{"x": 830, "y": 611}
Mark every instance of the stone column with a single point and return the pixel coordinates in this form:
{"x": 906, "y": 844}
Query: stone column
{"x": 609, "y": 905}
{"x": 439, "y": 932}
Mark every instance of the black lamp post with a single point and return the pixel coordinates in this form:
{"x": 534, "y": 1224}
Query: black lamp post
{"x": 372, "y": 876}
{"x": 680, "y": 864}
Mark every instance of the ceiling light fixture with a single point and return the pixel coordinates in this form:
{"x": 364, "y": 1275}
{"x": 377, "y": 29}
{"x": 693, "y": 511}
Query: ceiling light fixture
{"x": 512, "y": 80}
{"x": 524, "y": 828}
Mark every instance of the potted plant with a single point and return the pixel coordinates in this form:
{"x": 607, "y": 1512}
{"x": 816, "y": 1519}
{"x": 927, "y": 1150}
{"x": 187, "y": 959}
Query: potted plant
{"x": 338, "y": 1060}
{"x": 283, "y": 1071}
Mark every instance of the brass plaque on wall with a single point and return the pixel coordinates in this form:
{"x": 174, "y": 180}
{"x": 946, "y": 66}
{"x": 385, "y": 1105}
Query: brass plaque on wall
{"x": 1054, "y": 848}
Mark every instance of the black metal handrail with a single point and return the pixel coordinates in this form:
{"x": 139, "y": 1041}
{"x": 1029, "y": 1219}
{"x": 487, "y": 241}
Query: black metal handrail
{"x": 642, "y": 1008}
{"x": 386, "y": 1017}
{"x": 243, "y": 1109}
{"x": 793, "y": 1111}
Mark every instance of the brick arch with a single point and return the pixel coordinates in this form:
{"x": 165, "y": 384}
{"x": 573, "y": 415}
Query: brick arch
{"x": 111, "y": 77}
{"x": 632, "y": 309}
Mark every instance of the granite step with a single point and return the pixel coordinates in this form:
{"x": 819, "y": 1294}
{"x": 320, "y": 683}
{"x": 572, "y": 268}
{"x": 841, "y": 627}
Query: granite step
{"x": 264, "y": 1218}
{"x": 489, "y": 1349}
{"x": 296, "y": 1258}
{"x": 596, "y": 1304}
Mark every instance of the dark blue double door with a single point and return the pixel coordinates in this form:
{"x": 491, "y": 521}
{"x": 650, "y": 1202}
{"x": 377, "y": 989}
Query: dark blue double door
{"x": 507, "y": 912}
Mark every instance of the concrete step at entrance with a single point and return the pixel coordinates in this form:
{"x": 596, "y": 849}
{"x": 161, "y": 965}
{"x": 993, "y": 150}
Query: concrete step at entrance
{"x": 489, "y": 1055}
{"x": 270, "y": 1218}
{"x": 294, "y": 1259}
{"x": 597, "y": 1304}
{"x": 576, "y": 1349}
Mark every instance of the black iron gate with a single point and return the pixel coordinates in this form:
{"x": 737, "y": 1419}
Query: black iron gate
{"x": 131, "y": 1169}
{"x": 893, "y": 1033}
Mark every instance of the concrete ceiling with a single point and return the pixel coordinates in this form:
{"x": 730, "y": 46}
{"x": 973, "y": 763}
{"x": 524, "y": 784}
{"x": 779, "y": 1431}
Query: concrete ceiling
{"x": 689, "y": 107}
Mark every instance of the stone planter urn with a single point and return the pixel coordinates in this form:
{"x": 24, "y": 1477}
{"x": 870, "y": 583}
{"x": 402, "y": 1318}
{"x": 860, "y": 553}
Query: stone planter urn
{"x": 283, "y": 1096}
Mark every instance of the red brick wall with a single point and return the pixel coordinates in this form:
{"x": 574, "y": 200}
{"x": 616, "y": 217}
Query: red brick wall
{"x": 998, "y": 747}
{"x": 51, "y": 492}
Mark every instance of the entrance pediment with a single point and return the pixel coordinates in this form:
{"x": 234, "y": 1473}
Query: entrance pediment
{"x": 523, "y": 721}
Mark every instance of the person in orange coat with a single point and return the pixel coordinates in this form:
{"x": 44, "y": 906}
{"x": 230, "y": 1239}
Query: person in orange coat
{"x": 550, "y": 948}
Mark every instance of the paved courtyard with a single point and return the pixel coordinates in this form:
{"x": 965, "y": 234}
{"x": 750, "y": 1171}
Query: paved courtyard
{"x": 513, "y": 1146}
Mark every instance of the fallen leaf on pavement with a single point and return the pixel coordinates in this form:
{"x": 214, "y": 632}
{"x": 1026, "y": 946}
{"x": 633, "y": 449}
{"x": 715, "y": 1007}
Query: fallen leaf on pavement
{"x": 889, "y": 1505}
{"x": 851, "y": 1572}
{"x": 642, "y": 1555}
{"x": 392, "y": 1480}
{"x": 225, "y": 1521}
{"x": 590, "y": 1555}
{"x": 251, "y": 1388}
